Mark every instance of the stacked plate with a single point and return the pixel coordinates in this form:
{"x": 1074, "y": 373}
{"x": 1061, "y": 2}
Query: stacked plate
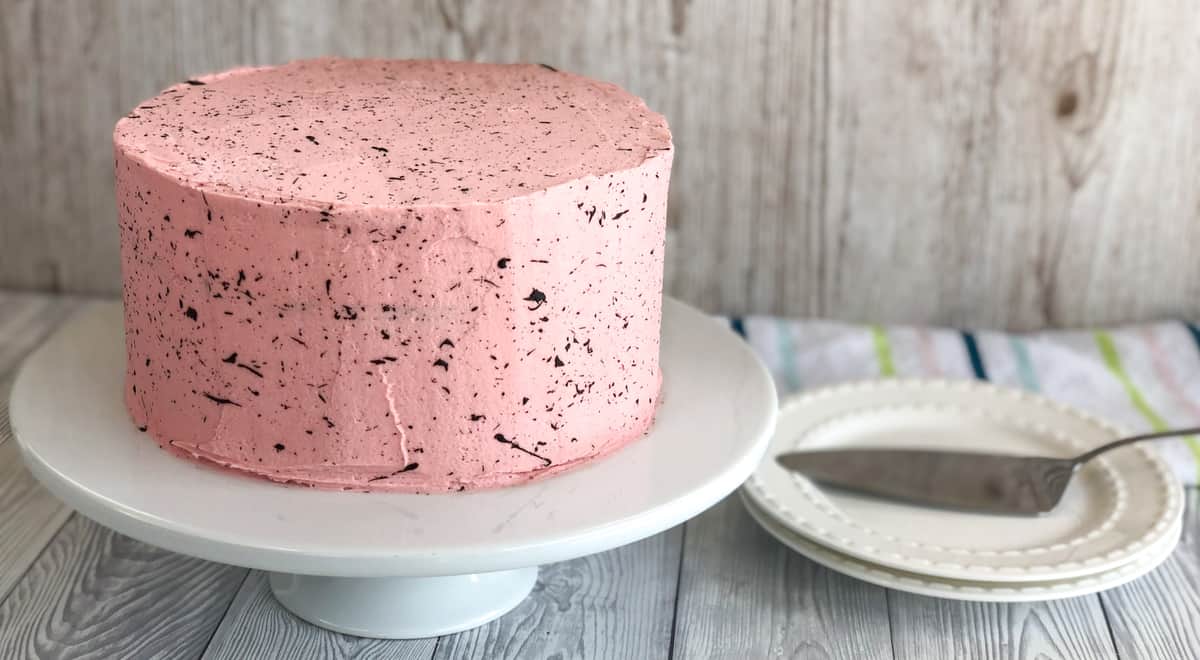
{"x": 1119, "y": 518}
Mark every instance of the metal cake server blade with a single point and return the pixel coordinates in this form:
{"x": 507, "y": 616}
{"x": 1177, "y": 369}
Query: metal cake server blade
{"x": 991, "y": 483}
{"x": 957, "y": 480}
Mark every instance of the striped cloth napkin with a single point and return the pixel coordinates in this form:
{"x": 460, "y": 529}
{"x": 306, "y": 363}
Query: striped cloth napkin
{"x": 1144, "y": 377}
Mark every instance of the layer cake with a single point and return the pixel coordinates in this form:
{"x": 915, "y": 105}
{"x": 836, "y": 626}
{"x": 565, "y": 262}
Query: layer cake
{"x": 416, "y": 276}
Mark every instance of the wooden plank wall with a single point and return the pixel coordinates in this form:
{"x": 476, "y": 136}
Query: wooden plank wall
{"x": 1009, "y": 164}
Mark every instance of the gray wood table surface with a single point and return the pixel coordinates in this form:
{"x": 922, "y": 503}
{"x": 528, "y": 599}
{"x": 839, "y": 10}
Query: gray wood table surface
{"x": 716, "y": 587}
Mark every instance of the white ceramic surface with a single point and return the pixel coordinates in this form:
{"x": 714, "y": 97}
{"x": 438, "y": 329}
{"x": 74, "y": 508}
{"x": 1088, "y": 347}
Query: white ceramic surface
{"x": 999, "y": 592}
{"x": 1116, "y": 507}
{"x": 402, "y": 607}
{"x": 717, "y": 413}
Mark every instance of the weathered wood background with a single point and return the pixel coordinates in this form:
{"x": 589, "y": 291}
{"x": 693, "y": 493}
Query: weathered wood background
{"x": 1014, "y": 164}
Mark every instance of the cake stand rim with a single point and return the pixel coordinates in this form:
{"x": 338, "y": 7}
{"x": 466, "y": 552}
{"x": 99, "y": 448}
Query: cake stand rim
{"x": 349, "y": 560}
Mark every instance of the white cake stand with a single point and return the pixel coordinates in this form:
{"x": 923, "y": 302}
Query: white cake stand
{"x": 392, "y": 565}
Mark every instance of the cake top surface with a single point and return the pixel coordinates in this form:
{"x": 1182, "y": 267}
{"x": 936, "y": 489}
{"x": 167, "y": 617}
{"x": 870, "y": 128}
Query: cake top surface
{"x": 391, "y": 132}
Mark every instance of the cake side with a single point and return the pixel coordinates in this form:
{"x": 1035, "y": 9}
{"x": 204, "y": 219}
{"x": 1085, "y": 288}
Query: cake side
{"x": 418, "y": 348}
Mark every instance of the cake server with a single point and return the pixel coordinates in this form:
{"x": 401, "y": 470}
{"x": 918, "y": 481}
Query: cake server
{"x": 991, "y": 483}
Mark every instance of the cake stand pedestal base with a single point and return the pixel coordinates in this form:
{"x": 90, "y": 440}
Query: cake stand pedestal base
{"x": 403, "y": 607}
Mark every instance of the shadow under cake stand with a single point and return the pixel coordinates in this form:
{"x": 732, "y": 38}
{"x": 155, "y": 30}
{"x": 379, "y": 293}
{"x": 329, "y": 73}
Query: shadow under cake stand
{"x": 384, "y": 564}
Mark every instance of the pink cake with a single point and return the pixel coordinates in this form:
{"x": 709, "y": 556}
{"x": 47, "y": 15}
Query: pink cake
{"x": 393, "y": 275}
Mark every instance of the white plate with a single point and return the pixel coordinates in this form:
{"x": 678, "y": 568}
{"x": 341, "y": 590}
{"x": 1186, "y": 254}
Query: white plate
{"x": 1116, "y": 508}
{"x": 718, "y": 409}
{"x": 1001, "y": 592}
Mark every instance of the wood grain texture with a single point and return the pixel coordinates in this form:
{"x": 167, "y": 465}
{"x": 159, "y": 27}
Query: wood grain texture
{"x": 94, "y": 593}
{"x": 257, "y": 626}
{"x": 617, "y": 604}
{"x": 29, "y": 516}
{"x": 924, "y": 627}
{"x": 1014, "y": 164}
{"x": 25, "y": 320}
{"x": 1158, "y": 616}
{"x": 742, "y": 594}
{"x": 1003, "y": 151}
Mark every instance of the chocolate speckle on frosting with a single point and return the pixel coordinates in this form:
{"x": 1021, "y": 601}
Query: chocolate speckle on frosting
{"x": 537, "y": 298}
{"x": 378, "y": 259}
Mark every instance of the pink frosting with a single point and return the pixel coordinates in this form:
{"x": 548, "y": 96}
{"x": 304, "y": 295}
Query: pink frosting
{"x": 394, "y": 275}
